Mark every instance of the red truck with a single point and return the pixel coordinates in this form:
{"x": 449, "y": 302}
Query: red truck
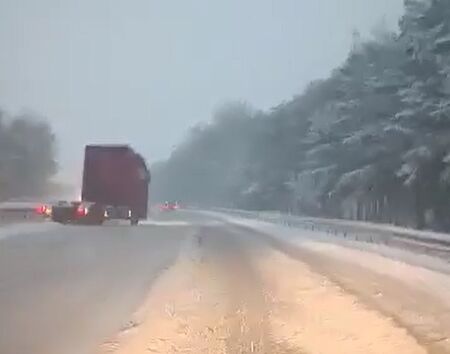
{"x": 115, "y": 186}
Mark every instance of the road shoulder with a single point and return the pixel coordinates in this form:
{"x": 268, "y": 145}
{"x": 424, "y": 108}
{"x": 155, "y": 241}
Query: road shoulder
{"x": 232, "y": 293}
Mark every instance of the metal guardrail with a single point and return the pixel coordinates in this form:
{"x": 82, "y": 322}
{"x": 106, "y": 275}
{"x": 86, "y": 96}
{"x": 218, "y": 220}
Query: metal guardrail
{"x": 15, "y": 212}
{"x": 424, "y": 242}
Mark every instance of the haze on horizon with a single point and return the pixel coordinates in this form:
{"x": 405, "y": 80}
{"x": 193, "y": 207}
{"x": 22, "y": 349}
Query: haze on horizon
{"x": 144, "y": 71}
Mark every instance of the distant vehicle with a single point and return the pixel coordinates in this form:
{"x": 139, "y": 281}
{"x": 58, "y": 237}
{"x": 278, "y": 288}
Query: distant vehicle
{"x": 115, "y": 186}
{"x": 169, "y": 206}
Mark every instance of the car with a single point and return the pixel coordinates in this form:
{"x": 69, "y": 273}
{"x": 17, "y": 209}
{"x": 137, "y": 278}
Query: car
{"x": 169, "y": 206}
{"x": 79, "y": 213}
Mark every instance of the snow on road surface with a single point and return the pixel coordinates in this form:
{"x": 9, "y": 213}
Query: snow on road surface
{"x": 232, "y": 292}
{"x": 413, "y": 289}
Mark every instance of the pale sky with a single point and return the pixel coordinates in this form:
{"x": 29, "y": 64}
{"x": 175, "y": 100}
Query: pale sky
{"x": 144, "y": 71}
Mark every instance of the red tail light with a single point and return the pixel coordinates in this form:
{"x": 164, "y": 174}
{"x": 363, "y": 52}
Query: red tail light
{"x": 82, "y": 211}
{"x": 41, "y": 209}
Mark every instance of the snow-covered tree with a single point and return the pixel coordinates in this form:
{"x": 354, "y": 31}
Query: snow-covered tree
{"x": 371, "y": 141}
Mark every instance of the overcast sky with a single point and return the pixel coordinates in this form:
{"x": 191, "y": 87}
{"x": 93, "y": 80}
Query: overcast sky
{"x": 143, "y": 71}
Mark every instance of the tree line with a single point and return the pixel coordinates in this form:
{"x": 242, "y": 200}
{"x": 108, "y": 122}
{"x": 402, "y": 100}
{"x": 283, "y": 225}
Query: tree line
{"x": 370, "y": 142}
{"x": 27, "y": 156}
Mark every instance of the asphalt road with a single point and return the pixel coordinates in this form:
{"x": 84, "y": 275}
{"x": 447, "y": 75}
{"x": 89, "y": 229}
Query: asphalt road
{"x": 63, "y": 290}
{"x": 70, "y": 289}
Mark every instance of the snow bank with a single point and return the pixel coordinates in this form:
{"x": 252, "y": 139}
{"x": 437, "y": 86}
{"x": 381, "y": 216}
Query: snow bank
{"x": 353, "y": 250}
{"x": 364, "y": 231}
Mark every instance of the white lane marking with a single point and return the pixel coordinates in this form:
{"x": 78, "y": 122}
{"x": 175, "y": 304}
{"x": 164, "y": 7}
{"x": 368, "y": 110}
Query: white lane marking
{"x": 212, "y": 223}
{"x": 182, "y": 223}
{"x": 11, "y": 230}
{"x": 164, "y": 223}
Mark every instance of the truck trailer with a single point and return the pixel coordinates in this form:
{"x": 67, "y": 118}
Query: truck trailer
{"x": 115, "y": 186}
